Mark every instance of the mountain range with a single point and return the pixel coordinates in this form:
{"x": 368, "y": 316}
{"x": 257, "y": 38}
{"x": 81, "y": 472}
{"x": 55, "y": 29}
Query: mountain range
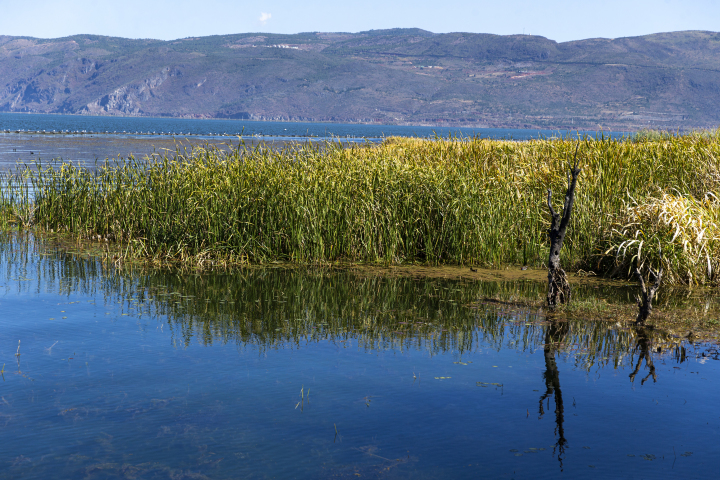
{"x": 398, "y": 76}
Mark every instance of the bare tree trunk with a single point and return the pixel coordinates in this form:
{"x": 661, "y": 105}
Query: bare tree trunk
{"x": 644, "y": 300}
{"x": 558, "y": 286}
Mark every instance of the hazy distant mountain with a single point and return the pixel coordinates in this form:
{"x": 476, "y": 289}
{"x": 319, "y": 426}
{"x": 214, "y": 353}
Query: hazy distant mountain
{"x": 406, "y": 76}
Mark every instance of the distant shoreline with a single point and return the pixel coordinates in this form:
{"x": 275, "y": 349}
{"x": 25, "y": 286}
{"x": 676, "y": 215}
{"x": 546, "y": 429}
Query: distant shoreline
{"x": 49, "y": 124}
{"x": 448, "y": 124}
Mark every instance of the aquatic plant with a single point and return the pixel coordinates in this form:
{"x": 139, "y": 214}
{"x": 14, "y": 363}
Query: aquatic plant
{"x": 458, "y": 201}
{"x": 680, "y": 231}
{"x": 16, "y": 206}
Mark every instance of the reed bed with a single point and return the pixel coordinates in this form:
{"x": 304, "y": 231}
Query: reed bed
{"x": 454, "y": 201}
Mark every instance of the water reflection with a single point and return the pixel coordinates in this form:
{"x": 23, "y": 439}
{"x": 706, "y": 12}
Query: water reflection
{"x": 318, "y": 352}
{"x": 272, "y": 308}
{"x": 644, "y": 346}
{"x": 555, "y": 336}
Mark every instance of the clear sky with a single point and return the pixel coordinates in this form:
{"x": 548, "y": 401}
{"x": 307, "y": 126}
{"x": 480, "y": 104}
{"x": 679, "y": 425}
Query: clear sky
{"x": 560, "y": 20}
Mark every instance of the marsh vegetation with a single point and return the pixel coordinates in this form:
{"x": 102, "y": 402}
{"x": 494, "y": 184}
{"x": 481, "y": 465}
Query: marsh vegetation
{"x": 454, "y": 201}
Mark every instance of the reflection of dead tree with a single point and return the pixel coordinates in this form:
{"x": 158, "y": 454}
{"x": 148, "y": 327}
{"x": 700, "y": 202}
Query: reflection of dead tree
{"x": 554, "y": 335}
{"x": 644, "y": 301}
{"x": 558, "y": 285}
{"x": 644, "y": 345}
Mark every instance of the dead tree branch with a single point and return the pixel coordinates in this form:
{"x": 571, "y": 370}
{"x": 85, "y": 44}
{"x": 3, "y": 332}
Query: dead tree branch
{"x": 558, "y": 286}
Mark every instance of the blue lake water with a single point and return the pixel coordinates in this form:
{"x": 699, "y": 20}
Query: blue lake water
{"x": 315, "y": 373}
{"x": 289, "y": 130}
{"x": 26, "y": 138}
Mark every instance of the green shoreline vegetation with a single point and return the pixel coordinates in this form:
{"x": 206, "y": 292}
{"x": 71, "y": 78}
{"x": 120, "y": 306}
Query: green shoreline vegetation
{"x": 648, "y": 200}
{"x": 463, "y": 202}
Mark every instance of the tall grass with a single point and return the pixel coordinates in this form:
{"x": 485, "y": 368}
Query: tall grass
{"x": 16, "y": 205}
{"x": 469, "y": 201}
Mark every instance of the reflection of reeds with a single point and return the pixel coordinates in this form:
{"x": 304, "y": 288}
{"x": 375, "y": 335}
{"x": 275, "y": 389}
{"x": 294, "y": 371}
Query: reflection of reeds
{"x": 468, "y": 201}
{"x": 277, "y": 308}
{"x": 280, "y": 308}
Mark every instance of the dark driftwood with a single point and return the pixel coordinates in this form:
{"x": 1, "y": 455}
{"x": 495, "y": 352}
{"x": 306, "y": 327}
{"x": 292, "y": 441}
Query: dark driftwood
{"x": 558, "y": 286}
{"x": 647, "y": 296}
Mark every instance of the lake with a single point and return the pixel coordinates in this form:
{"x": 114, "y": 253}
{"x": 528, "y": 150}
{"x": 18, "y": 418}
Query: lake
{"x": 216, "y": 127}
{"x": 330, "y": 373}
{"x": 84, "y": 139}
{"x": 281, "y": 372}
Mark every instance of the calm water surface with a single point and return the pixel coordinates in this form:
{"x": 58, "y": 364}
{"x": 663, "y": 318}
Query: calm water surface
{"x": 140, "y": 136}
{"x": 209, "y": 128}
{"x": 26, "y": 149}
{"x": 277, "y": 373}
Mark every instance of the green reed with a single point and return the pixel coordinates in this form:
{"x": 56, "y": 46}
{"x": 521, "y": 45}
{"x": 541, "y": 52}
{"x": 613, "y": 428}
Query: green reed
{"x": 16, "y": 206}
{"x": 455, "y": 201}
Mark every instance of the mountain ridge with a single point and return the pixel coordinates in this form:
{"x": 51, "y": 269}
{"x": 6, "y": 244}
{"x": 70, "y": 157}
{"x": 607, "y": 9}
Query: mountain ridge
{"x": 396, "y": 76}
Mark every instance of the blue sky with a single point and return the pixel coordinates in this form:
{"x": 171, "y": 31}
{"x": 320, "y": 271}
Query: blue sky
{"x": 560, "y": 20}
